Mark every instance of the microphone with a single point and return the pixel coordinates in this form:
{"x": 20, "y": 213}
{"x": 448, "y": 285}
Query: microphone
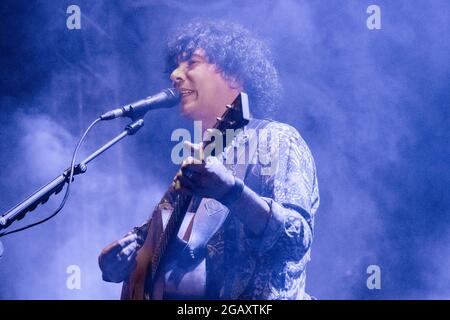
{"x": 166, "y": 98}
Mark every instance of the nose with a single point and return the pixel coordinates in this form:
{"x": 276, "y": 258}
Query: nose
{"x": 177, "y": 76}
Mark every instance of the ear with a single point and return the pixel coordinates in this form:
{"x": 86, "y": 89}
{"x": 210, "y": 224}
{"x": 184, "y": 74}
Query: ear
{"x": 232, "y": 82}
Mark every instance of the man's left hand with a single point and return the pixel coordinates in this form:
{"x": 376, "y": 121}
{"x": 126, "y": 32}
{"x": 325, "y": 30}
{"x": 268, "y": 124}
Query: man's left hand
{"x": 207, "y": 179}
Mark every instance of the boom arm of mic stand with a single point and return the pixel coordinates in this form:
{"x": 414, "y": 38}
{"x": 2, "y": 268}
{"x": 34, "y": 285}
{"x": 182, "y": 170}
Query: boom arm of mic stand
{"x": 42, "y": 195}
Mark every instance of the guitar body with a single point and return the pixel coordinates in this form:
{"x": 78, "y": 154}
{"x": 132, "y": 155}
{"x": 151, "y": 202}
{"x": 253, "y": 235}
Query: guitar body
{"x": 139, "y": 286}
{"x": 172, "y": 281}
{"x": 163, "y": 267}
{"x": 185, "y": 280}
{"x": 192, "y": 284}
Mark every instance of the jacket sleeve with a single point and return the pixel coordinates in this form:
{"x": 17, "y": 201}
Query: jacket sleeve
{"x": 286, "y": 178}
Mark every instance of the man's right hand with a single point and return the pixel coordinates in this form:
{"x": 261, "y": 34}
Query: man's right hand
{"x": 118, "y": 259}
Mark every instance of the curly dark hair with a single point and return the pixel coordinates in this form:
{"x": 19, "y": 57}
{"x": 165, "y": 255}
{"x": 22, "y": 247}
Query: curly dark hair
{"x": 238, "y": 55}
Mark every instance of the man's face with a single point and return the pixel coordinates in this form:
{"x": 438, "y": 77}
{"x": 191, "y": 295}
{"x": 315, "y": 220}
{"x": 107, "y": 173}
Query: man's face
{"x": 205, "y": 92}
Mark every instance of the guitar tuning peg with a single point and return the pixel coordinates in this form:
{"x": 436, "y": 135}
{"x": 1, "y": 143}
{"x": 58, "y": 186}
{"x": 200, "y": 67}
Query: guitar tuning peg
{"x": 229, "y": 106}
{"x": 219, "y": 119}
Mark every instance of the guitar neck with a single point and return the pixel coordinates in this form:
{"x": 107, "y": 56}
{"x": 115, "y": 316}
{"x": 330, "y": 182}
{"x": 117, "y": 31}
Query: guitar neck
{"x": 181, "y": 205}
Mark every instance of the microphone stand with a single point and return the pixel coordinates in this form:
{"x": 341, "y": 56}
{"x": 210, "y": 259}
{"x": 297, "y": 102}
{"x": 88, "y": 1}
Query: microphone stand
{"x": 42, "y": 195}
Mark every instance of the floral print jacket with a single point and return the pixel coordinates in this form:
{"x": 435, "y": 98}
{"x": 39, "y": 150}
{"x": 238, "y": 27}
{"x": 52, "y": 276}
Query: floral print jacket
{"x": 281, "y": 170}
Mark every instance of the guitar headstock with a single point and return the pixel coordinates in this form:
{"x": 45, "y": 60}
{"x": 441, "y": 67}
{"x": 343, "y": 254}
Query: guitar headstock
{"x": 236, "y": 116}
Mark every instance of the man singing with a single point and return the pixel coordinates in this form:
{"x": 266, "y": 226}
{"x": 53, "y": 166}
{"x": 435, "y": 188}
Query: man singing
{"x": 260, "y": 222}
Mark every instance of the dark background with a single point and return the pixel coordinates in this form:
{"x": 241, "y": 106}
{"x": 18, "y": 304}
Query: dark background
{"x": 371, "y": 104}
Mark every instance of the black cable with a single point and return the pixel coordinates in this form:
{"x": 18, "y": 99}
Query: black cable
{"x": 66, "y": 195}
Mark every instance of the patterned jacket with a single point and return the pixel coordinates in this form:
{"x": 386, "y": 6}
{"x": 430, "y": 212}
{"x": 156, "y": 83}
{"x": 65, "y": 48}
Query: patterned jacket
{"x": 272, "y": 265}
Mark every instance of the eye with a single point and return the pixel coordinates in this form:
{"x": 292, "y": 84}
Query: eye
{"x": 192, "y": 63}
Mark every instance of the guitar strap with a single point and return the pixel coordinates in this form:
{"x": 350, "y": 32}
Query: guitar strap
{"x": 211, "y": 214}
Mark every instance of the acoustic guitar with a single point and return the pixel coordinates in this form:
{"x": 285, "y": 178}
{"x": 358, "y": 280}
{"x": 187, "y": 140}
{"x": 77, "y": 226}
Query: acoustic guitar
{"x": 162, "y": 246}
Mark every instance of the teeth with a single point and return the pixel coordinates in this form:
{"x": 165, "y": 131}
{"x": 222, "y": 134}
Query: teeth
{"x": 186, "y": 92}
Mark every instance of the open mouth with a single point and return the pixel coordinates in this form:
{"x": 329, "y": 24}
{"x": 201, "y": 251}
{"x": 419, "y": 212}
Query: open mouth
{"x": 186, "y": 92}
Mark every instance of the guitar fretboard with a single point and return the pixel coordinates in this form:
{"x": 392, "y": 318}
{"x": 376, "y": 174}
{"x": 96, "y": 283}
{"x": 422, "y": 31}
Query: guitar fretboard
{"x": 181, "y": 205}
